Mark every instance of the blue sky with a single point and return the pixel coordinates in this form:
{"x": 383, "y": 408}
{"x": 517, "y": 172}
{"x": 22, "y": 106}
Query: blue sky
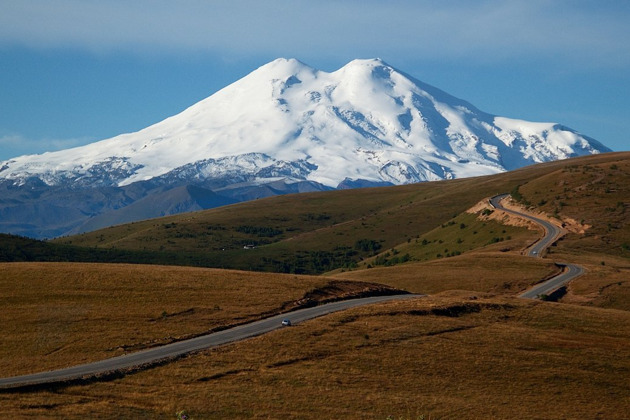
{"x": 77, "y": 71}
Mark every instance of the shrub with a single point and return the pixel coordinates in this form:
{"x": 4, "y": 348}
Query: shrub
{"x": 262, "y": 231}
{"x": 367, "y": 245}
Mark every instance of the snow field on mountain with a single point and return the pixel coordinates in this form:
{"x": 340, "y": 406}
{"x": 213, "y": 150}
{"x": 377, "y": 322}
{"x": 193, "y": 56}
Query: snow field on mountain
{"x": 364, "y": 121}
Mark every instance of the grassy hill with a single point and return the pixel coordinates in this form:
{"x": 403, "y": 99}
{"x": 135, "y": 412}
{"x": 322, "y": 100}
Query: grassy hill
{"x": 319, "y": 232}
{"x": 346, "y": 232}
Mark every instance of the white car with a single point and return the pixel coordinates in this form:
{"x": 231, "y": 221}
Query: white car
{"x": 286, "y": 322}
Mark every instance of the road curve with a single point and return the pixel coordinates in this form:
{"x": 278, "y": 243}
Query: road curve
{"x": 552, "y": 233}
{"x": 180, "y": 348}
{"x": 546, "y": 288}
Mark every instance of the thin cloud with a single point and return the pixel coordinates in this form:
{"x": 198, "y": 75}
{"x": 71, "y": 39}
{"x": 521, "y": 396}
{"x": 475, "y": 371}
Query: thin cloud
{"x": 484, "y": 30}
{"x": 13, "y": 145}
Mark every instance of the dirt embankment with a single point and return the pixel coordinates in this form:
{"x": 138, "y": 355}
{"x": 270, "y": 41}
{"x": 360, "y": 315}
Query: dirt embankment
{"x": 487, "y": 212}
{"x": 342, "y": 290}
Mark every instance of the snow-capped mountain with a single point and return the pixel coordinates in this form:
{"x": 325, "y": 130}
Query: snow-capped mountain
{"x": 291, "y": 126}
{"x": 287, "y": 120}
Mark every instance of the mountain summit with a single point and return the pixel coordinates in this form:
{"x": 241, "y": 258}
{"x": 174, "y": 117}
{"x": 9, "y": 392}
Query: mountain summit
{"x": 297, "y": 128}
{"x": 366, "y": 121}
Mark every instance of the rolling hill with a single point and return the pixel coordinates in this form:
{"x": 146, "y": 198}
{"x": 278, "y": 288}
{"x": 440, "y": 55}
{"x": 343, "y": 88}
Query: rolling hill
{"x": 470, "y": 349}
{"x": 319, "y": 232}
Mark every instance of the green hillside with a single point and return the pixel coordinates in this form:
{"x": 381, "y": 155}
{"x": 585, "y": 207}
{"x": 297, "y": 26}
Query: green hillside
{"x": 319, "y": 232}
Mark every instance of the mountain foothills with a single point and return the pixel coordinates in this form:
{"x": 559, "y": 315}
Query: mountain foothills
{"x": 352, "y": 229}
{"x": 284, "y": 128}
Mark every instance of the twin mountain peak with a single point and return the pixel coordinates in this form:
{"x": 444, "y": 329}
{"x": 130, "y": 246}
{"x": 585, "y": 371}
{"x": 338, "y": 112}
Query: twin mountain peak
{"x": 288, "y": 127}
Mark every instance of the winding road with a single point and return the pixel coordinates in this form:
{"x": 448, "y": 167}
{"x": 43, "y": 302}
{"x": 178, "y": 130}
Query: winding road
{"x": 552, "y": 233}
{"x": 170, "y": 351}
{"x": 180, "y": 348}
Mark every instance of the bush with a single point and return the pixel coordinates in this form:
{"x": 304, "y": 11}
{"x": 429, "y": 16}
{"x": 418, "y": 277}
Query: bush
{"x": 367, "y": 245}
{"x": 262, "y": 231}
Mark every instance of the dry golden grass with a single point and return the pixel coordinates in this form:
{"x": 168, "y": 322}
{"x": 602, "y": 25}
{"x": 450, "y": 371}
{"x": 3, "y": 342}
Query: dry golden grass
{"x": 596, "y": 196}
{"x": 59, "y": 314}
{"x": 495, "y": 272}
{"x": 449, "y": 356}
{"x": 604, "y": 286}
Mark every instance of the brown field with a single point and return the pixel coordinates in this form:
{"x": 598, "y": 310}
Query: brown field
{"x": 492, "y": 272}
{"x": 604, "y": 286}
{"x": 449, "y": 356}
{"x": 60, "y": 314}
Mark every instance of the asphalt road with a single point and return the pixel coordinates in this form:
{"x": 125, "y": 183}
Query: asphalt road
{"x": 552, "y": 233}
{"x": 570, "y": 272}
{"x": 169, "y": 351}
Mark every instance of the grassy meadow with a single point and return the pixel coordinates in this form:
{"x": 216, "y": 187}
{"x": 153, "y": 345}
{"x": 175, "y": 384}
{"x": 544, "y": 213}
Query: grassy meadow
{"x": 492, "y": 272}
{"x": 451, "y": 355}
{"x": 59, "y": 314}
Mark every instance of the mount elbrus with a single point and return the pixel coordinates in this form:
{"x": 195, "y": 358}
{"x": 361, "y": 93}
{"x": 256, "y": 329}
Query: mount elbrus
{"x": 285, "y": 127}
